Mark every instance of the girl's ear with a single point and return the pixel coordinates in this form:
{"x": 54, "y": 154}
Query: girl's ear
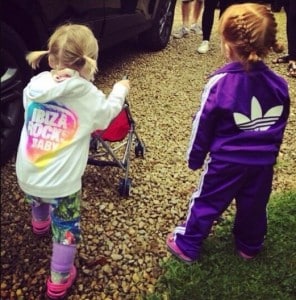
{"x": 228, "y": 51}
{"x": 50, "y": 62}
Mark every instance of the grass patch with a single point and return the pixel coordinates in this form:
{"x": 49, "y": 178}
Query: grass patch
{"x": 221, "y": 274}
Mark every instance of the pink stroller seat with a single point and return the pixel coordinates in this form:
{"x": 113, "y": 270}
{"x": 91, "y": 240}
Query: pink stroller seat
{"x": 117, "y": 130}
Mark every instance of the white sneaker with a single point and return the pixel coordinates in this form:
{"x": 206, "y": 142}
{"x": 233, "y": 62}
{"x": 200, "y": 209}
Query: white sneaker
{"x": 184, "y": 31}
{"x": 195, "y": 28}
{"x": 204, "y": 47}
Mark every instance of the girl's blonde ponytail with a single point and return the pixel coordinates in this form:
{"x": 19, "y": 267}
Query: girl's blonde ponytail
{"x": 90, "y": 66}
{"x": 70, "y": 46}
{"x": 34, "y": 58}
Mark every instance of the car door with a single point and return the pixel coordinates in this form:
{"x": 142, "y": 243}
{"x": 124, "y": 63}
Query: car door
{"x": 124, "y": 19}
{"x": 88, "y": 12}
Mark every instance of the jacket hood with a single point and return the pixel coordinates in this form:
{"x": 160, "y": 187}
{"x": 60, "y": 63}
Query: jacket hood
{"x": 46, "y": 86}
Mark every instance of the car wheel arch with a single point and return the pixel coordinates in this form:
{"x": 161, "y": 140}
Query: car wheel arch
{"x": 152, "y": 39}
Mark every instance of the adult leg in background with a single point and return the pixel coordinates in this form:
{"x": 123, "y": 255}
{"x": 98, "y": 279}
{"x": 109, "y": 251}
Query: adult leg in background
{"x": 207, "y": 25}
{"x": 196, "y": 11}
{"x": 208, "y": 18}
{"x": 185, "y": 10}
{"x": 291, "y": 37}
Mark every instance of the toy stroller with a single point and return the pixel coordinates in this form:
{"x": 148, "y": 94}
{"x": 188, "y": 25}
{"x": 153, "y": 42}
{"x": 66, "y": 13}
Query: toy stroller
{"x": 118, "y": 137}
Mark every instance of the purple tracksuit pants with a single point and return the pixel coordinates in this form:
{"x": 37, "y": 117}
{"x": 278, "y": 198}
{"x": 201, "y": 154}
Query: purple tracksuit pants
{"x": 220, "y": 183}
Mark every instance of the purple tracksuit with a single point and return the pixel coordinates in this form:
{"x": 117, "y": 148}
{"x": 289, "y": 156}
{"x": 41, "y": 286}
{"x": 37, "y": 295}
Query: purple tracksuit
{"x": 240, "y": 126}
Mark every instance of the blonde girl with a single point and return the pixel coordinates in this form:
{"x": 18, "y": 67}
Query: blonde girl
{"x": 62, "y": 108}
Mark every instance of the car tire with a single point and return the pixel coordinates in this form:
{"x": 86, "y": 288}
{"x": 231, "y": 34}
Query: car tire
{"x": 158, "y": 36}
{"x": 15, "y": 73}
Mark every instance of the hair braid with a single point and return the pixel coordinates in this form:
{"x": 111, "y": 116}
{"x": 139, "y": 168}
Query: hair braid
{"x": 250, "y": 30}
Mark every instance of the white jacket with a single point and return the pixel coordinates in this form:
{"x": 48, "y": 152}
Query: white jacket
{"x": 60, "y": 115}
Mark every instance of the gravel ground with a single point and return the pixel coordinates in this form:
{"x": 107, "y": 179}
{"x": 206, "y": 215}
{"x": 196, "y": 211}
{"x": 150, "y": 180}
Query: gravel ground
{"x": 124, "y": 238}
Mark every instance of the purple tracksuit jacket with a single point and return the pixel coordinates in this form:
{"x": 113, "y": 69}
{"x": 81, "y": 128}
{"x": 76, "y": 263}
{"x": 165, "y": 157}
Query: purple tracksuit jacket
{"x": 240, "y": 125}
{"x": 242, "y": 117}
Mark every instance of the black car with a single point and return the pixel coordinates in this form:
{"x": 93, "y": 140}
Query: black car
{"x": 27, "y": 24}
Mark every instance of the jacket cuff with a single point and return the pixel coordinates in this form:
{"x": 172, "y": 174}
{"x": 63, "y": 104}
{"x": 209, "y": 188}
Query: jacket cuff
{"x": 194, "y": 165}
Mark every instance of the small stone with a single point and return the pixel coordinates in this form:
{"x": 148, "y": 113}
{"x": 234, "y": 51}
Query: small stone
{"x": 107, "y": 269}
{"x": 136, "y": 278}
{"x": 3, "y": 286}
{"x": 116, "y": 257}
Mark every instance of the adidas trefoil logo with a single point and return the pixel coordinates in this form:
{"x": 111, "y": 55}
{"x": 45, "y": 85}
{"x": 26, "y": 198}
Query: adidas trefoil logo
{"x": 258, "y": 121}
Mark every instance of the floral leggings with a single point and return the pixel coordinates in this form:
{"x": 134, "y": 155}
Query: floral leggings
{"x": 65, "y": 216}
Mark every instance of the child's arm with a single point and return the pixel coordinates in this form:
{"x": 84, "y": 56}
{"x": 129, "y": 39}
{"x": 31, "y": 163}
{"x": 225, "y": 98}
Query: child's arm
{"x": 109, "y": 107}
{"x": 202, "y": 134}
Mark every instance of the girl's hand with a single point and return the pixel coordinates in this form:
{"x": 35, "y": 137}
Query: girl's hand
{"x": 125, "y": 82}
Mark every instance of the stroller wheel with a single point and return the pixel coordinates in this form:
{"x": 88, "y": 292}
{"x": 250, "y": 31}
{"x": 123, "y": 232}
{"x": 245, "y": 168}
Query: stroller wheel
{"x": 125, "y": 187}
{"x": 139, "y": 149}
